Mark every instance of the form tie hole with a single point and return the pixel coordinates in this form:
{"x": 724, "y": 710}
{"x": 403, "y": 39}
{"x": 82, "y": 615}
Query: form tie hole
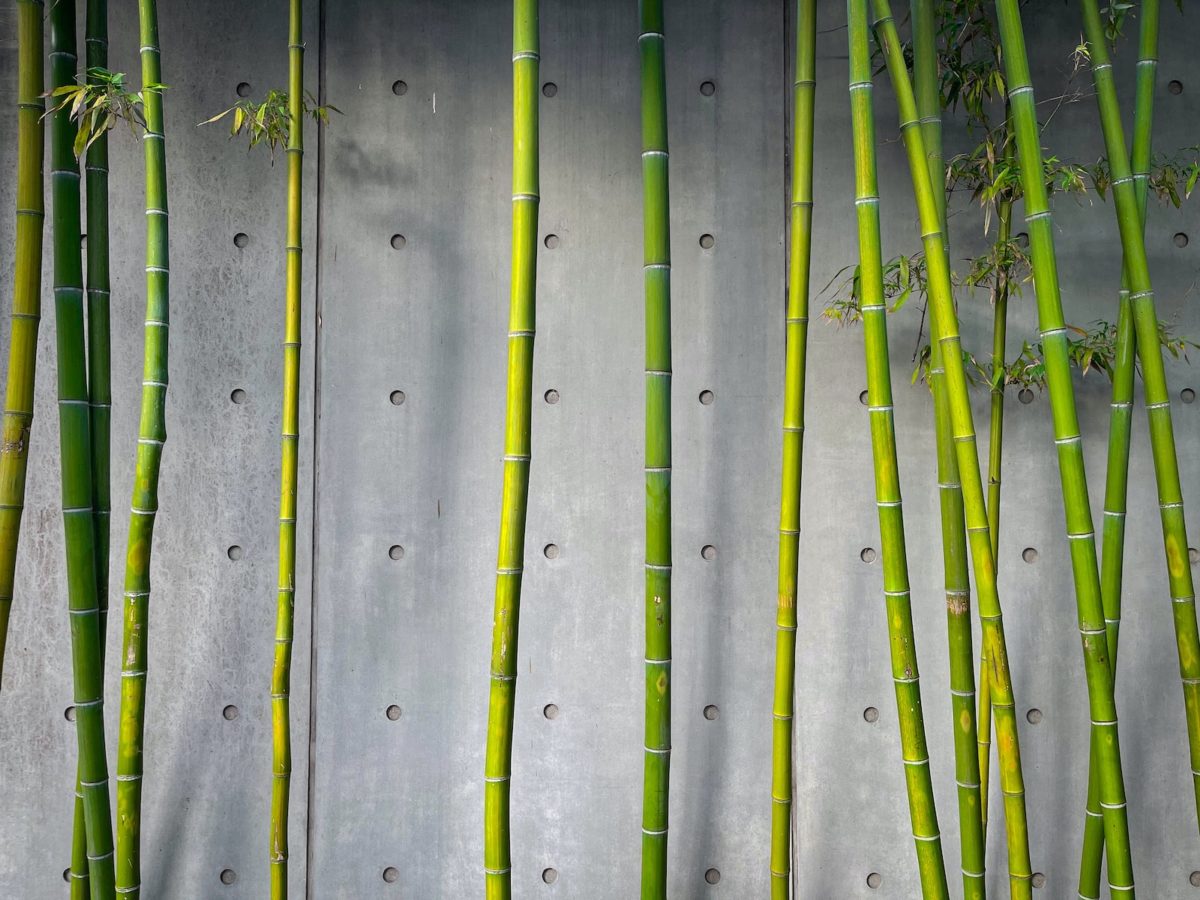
{"x": 393, "y": 713}
{"x": 235, "y": 553}
{"x": 551, "y": 396}
{"x": 230, "y": 712}
{"x": 550, "y": 711}
{"x": 709, "y": 552}
{"x": 706, "y": 398}
{"x": 69, "y": 714}
{"x": 228, "y": 876}
{"x": 1194, "y": 879}
{"x": 1025, "y": 395}
{"x": 396, "y": 551}
{"x": 241, "y": 240}
{"x": 874, "y": 880}
{"x": 1193, "y": 555}
{"x": 550, "y": 89}
{"x": 712, "y": 713}
{"x": 1187, "y": 395}
{"x": 243, "y": 89}
{"x": 398, "y": 241}
{"x": 708, "y": 88}
{"x": 397, "y": 398}
{"x": 551, "y": 551}
{"x": 551, "y": 242}
{"x": 67, "y": 874}
{"x": 713, "y": 876}
{"x": 1030, "y": 555}
{"x": 1181, "y": 239}
{"x": 707, "y": 241}
{"x": 1176, "y": 87}
{"x": 871, "y": 715}
{"x": 1038, "y": 880}
{"x": 391, "y": 874}
{"x": 1034, "y": 716}
{"x": 399, "y": 88}
{"x": 238, "y": 396}
{"x": 868, "y": 555}
{"x": 864, "y": 398}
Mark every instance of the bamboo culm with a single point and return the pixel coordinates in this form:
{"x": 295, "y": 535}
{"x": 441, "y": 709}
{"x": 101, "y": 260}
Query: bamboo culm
{"x": 1102, "y": 706}
{"x": 497, "y": 857}
{"x": 152, "y": 433}
{"x": 17, "y": 421}
{"x": 1120, "y": 427}
{"x": 796, "y": 326}
{"x": 281, "y": 671}
{"x": 946, "y": 329}
{"x": 954, "y": 537}
{"x": 76, "y": 459}
{"x": 905, "y": 676}
{"x": 657, "y": 276}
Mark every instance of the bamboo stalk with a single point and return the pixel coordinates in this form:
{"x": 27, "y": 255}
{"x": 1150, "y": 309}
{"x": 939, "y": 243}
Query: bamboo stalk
{"x": 152, "y": 433}
{"x": 1120, "y": 426}
{"x": 954, "y": 539}
{"x": 782, "y": 770}
{"x": 906, "y": 679}
{"x": 657, "y": 277}
{"x": 17, "y": 421}
{"x": 514, "y": 501}
{"x": 75, "y": 451}
{"x": 281, "y": 672}
{"x": 1069, "y": 444}
{"x": 946, "y": 329}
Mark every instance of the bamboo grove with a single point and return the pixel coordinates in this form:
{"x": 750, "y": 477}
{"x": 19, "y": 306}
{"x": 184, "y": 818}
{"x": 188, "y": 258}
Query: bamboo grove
{"x": 941, "y": 61}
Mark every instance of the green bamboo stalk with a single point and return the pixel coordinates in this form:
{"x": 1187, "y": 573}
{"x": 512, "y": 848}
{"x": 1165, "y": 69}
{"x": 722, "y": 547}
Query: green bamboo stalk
{"x": 281, "y": 673}
{"x": 1120, "y": 426}
{"x": 922, "y": 807}
{"x": 946, "y": 329}
{"x": 76, "y": 456}
{"x": 1069, "y": 444}
{"x": 954, "y": 538}
{"x": 17, "y": 420}
{"x": 799, "y": 259}
{"x": 497, "y": 857}
{"x": 657, "y": 275}
{"x": 152, "y": 433}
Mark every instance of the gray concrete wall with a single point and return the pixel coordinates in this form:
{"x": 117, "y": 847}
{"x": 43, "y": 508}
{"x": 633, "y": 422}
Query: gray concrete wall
{"x": 429, "y": 319}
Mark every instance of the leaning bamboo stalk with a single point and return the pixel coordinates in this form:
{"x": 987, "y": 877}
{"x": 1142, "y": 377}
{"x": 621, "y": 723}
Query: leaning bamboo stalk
{"x": 954, "y": 538}
{"x": 75, "y": 451}
{"x": 799, "y": 259}
{"x": 1101, "y": 701}
{"x": 946, "y": 327}
{"x": 906, "y": 679}
{"x": 281, "y": 672}
{"x": 514, "y": 501}
{"x": 657, "y": 276}
{"x": 152, "y": 433}
{"x": 1120, "y": 426}
{"x": 17, "y": 421}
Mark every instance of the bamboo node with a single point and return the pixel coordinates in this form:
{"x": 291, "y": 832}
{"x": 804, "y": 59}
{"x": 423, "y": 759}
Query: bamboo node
{"x": 1082, "y": 536}
{"x": 1124, "y": 179}
{"x": 1020, "y": 89}
{"x": 865, "y": 200}
{"x": 927, "y": 839}
{"x": 102, "y": 856}
{"x": 1162, "y": 405}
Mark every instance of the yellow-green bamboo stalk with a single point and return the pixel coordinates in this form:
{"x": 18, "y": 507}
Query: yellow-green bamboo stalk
{"x": 1101, "y": 702}
{"x": 946, "y": 329}
{"x": 954, "y": 538}
{"x": 17, "y": 419}
{"x": 497, "y": 856}
{"x": 782, "y": 770}
{"x": 152, "y": 433}
{"x": 906, "y": 679}
{"x": 281, "y": 672}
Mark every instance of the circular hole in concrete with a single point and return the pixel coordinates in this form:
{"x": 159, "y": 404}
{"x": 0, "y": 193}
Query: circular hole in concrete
{"x": 69, "y": 714}
{"x": 1176, "y": 87}
{"x": 708, "y": 88}
{"x": 396, "y": 551}
{"x": 707, "y": 241}
{"x": 1023, "y": 239}
{"x": 230, "y": 712}
{"x": 551, "y": 396}
{"x": 228, "y": 876}
{"x": 1038, "y": 880}
{"x": 868, "y": 555}
{"x": 709, "y": 552}
{"x": 1193, "y": 555}
{"x": 243, "y": 89}
{"x": 235, "y": 553}
{"x": 549, "y": 876}
{"x": 1030, "y": 555}
{"x": 864, "y": 397}
{"x": 870, "y": 714}
{"x": 399, "y": 88}
{"x": 874, "y": 880}
{"x": 391, "y": 874}
{"x": 1025, "y": 395}
{"x": 1187, "y": 395}
{"x": 1034, "y": 716}
{"x": 238, "y": 396}
{"x": 550, "y": 711}
{"x": 551, "y": 551}
{"x": 1194, "y": 879}
{"x": 712, "y": 713}
{"x": 550, "y": 89}
{"x": 397, "y": 397}
{"x": 1180, "y": 239}
{"x": 67, "y": 874}
{"x": 398, "y": 241}
{"x": 241, "y": 240}
{"x": 706, "y": 398}
{"x": 713, "y": 876}
{"x": 392, "y": 712}
{"x": 551, "y": 242}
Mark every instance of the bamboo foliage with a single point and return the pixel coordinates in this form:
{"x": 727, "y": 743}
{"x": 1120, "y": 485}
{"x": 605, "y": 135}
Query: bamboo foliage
{"x": 954, "y": 538}
{"x": 1069, "y": 444}
{"x": 946, "y": 328}
{"x": 514, "y": 501}
{"x": 75, "y": 452}
{"x": 152, "y": 434}
{"x": 1158, "y": 405}
{"x": 656, "y": 227}
{"x": 905, "y": 676}
{"x": 281, "y": 755}
{"x": 17, "y": 421}
{"x": 803, "y": 92}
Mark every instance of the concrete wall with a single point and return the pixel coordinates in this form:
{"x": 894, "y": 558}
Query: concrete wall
{"x": 428, "y": 319}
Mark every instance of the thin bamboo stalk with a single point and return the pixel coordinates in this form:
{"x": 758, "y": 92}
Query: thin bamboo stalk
{"x": 954, "y": 538}
{"x": 905, "y": 676}
{"x": 497, "y": 857}
{"x": 1069, "y": 444}
{"x": 17, "y": 421}
{"x": 799, "y": 259}
{"x": 657, "y": 275}
{"x": 1120, "y": 426}
{"x": 281, "y": 672}
{"x": 946, "y": 329}
{"x": 76, "y": 456}
{"x": 152, "y": 433}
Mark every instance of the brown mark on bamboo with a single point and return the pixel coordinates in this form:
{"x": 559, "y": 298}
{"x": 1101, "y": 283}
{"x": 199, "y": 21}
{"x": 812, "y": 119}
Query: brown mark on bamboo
{"x": 787, "y": 600}
{"x": 957, "y": 604}
{"x": 964, "y": 722}
{"x": 659, "y": 617}
{"x": 661, "y": 683}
